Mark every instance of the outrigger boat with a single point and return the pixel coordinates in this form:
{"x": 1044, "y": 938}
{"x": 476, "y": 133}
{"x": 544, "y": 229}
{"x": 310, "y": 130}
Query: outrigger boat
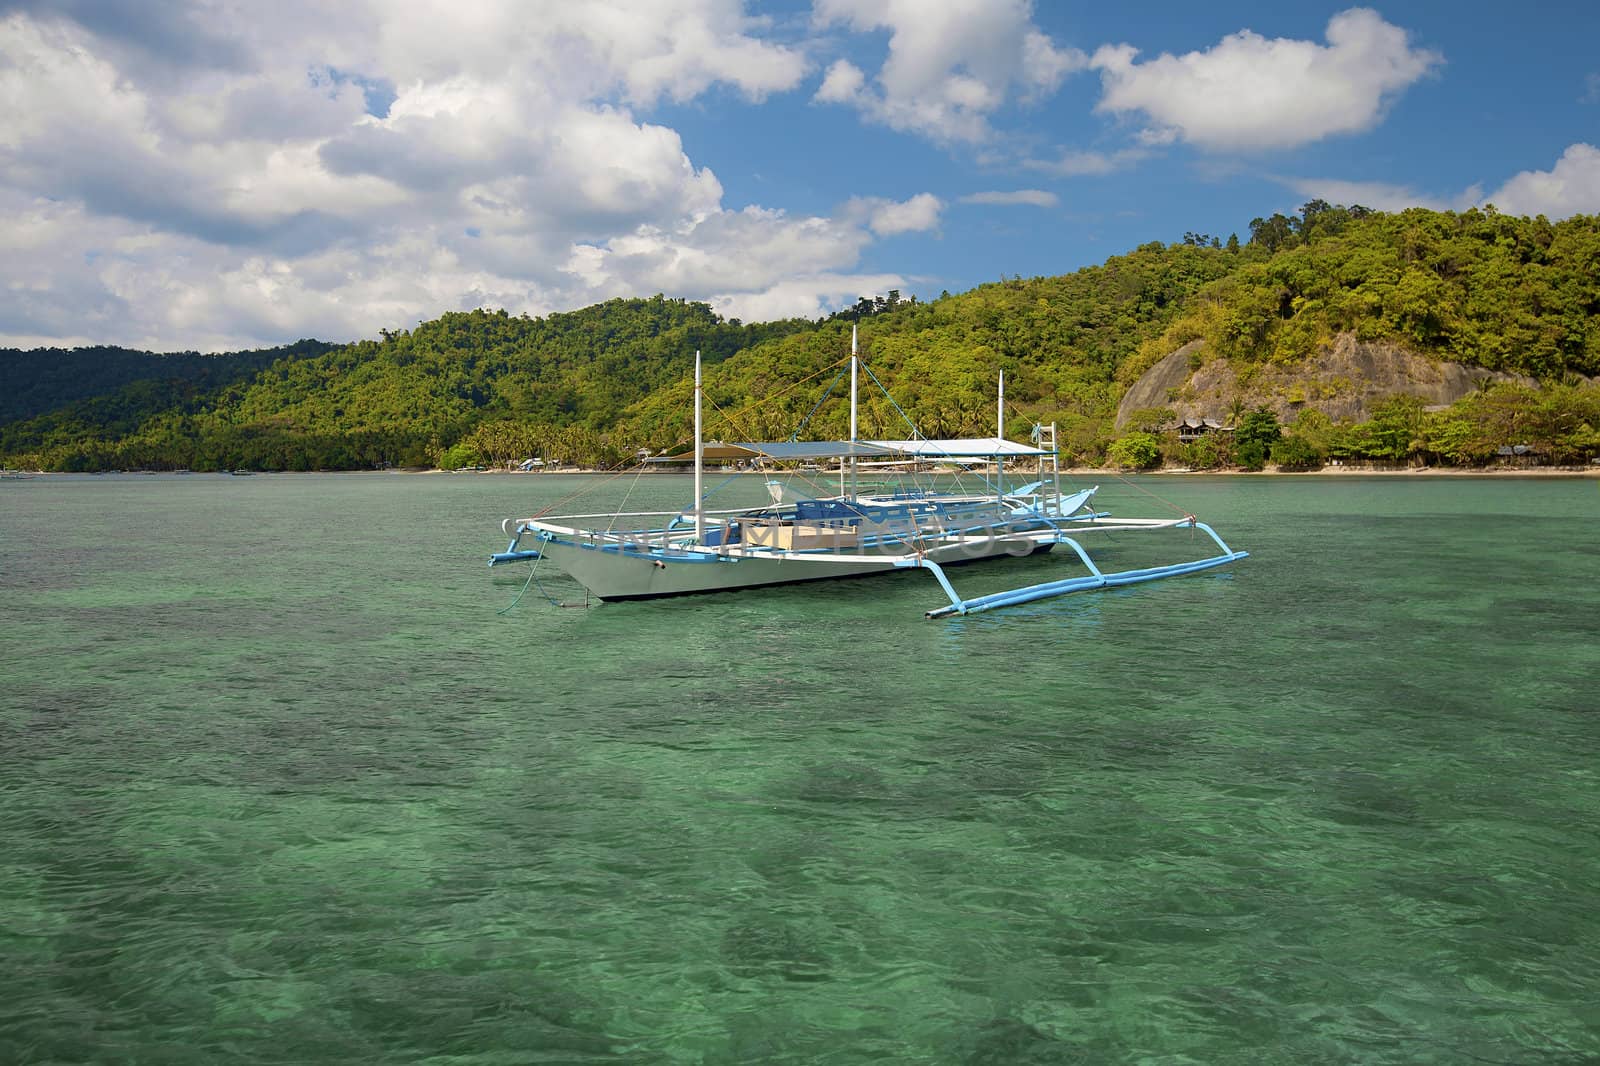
{"x": 850, "y": 534}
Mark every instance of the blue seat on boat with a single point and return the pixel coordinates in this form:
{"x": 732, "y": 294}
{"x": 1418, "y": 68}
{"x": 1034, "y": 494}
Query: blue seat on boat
{"x": 827, "y": 511}
{"x": 718, "y": 535}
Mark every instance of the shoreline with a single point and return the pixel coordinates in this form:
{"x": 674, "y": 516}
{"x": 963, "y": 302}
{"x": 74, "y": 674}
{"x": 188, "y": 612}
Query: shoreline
{"x": 1080, "y": 472}
{"x": 1100, "y": 471}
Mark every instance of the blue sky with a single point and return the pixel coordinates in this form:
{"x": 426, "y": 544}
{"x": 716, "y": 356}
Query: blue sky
{"x": 203, "y": 175}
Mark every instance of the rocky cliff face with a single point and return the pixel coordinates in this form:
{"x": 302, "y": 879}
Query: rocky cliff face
{"x": 1344, "y": 381}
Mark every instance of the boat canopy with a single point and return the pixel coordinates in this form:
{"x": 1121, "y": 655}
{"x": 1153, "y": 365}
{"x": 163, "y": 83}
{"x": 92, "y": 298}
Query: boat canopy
{"x": 817, "y": 449}
{"x": 962, "y": 448}
{"x": 786, "y": 449}
{"x": 959, "y": 448}
{"x": 713, "y": 449}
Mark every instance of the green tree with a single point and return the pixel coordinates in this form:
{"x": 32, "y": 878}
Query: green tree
{"x": 1451, "y": 438}
{"x": 1295, "y": 454}
{"x": 1151, "y": 419}
{"x": 1207, "y": 453}
{"x": 1258, "y": 427}
{"x": 1272, "y": 233}
{"x": 1250, "y": 456}
{"x": 1393, "y": 428}
{"x": 460, "y": 455}
{"x": 1135, "y": 451}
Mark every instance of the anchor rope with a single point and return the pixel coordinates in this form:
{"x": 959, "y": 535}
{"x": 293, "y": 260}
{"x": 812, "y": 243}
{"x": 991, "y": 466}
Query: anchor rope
{"x": 522, "y": 591}
{"x": 533, "y": 579}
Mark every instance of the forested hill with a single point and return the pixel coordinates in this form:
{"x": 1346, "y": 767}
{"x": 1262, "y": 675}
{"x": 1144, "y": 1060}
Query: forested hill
{"x": 591, "y": 386}
{"x": 1510, "y": 294}
{"x": 1061, "y": 340}
{"x": 41, "y": 380}
{"x": 398, "y": 401}
{"x": 1498, "y": 291}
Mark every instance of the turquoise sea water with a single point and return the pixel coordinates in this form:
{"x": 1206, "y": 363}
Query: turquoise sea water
{"x": 278, "y": 783}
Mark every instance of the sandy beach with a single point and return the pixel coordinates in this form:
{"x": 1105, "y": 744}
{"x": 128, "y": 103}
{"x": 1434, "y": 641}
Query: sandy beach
{"x": 1343, "y": 470}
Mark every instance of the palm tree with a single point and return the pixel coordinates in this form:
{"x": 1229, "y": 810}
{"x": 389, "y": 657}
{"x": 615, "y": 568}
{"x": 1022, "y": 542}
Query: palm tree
{"x": 1236, "y": 409}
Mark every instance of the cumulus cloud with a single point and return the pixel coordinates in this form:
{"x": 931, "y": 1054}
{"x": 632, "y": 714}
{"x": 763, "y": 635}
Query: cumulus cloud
{"x": 844, "y": 83}
{"x": 1571, "y": 187}
{"x": 951, "y": 63}
{"x": 641, "y": 52}
{"x": 1014, "y": 198}
{"x": 803, "y": 296}
{"x": 888, "y": 217}
{"x": 755, "y": 248}
{"x": 1252, "y": 93}
{"x": 1381, "y": 196}
{"x": 327, "y": 171}
{"x": 1078, "y": 164}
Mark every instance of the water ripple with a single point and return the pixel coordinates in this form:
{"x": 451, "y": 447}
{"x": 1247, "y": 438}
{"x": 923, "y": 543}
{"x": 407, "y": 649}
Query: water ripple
{"x": 324, "y": 804}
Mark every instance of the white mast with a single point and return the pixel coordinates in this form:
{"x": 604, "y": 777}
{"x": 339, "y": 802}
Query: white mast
{"x": 1055, "y": 465}
{"x": 699, "y": 454}
{"x": 1000, "y": 436}
{"x": 1000, "y": 410}
{"x": 853, "y": 362}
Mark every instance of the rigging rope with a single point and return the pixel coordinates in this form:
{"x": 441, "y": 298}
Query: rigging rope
{"x": 806, "y": 421}
{"x": 626, "y": 496}
{"x": 1159, "y": 499}
{"x": 915, "y": 432}
{"x": 732, "y": 421}
{"x": 1116, "y": 474}
{"x": 626, "y": 467}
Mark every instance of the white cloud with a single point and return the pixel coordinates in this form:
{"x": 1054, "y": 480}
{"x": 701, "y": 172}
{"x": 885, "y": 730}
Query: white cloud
{"x": 1078, "y": 164}
{"x": 888, "y": 217}
{"x": 647, "y": 51}
{"x": 1571, "y": 187}
{"x": 1251, "y": 93}
{"x": 44, "y": 290}
{"x": 725, "y": 251}
{"x": 1044, "y": 66}
{"x": 206, "y": 179}
{"x": 1380, "y": 196}
{"x": 1018, "y": 197}
{"x": 804, "y": 296}
{"x": 842, "y": 84}
{"x": 951, "y": 63}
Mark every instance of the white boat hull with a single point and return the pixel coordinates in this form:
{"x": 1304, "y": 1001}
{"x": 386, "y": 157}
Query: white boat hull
{"x": 617, "y": 575}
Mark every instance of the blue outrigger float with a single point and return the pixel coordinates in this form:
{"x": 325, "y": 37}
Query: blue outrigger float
{"x": 851, "y": 534}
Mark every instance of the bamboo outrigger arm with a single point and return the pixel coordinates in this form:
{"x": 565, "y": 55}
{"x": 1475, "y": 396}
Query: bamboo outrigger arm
{"x": 1095, "y": 579}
